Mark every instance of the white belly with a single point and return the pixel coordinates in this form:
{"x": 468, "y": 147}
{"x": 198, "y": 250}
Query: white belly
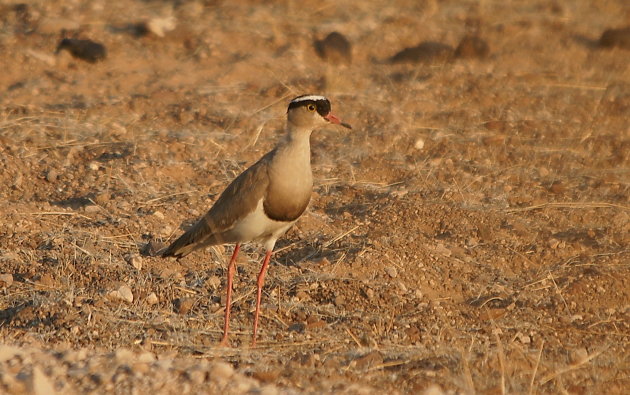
{"x": 256, "y": 226}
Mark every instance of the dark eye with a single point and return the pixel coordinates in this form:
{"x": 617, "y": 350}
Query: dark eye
{"x": 311, "y": 107}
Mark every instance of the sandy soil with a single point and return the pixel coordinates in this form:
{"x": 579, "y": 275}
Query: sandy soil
{"x": 470, "y": 235}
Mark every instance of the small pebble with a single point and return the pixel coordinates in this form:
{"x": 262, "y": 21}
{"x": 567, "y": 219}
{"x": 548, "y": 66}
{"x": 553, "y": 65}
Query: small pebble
{"x": 161, "y": 26}
{"x": 152, "y": 299}
{"x": 6, "y": 279}
{"x": 214, "y": 282}
{"x": 419, "y": 144}
{"x": 391, "y": 271}
{"x": 52, "y": 175}
{"x": 92, "y": 208}
{"x": 183, "y": 305}
{"x": 134, "y": 260}
{"x": 122, "y": 293}
{"x": 579, "y": 355}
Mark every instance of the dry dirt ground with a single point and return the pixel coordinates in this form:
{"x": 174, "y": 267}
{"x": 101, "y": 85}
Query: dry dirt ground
{"x": 469, "y": 235}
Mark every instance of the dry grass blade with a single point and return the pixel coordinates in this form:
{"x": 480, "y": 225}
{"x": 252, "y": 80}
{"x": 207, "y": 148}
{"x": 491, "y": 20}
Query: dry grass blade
{"x": 59, "y": 213}
{"x": 339, "y": 237}
{"x": 568, "y": 205}
{"x": 170, "y": 195}
{"x": 358, "y": 343}
{"x": 577, "y": 365}
{"x": 531, "y": 382}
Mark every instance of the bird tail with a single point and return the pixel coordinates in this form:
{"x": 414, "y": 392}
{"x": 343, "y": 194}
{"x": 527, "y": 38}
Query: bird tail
{"x": 196, "y": 237}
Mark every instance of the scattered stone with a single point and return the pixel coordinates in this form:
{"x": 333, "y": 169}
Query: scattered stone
{"x": 391, "y": 271}
{"x": 46, "y": 280}
{"x": 152, "y": 299}
{"x": 213, "y": 282}
{"x": 134, "y": 260}
{"x": 578, "y": 355}
{"x": 298, "y": 327}
{"x": 525, "y": 339}
{"x": 102, "y": 198}
{"x": 172, "y": 273}
{"x": 158, "y": 214}
{"x": 183, "y": 305}
{"x": 161, "y": 26}
{"x": 87, "y": 50}
{"x": 6, "y": 279}
{"x": 52, "y": 175}
{"x": 93, "y": 166}
{"x": 313, "y": 322}
{"x": 425, "y": 52}
{"x": 441, "y": 249}
{"x": 557, "y": 187}
{"x": 615, "y": 38}
{"x": 152, "y": 248}
{"x": 472, "y": 47}
{"x": 334, "y": 49}
{"x": 302, "y": 295}
{"x": 166, "y": 231}
{"x": 123, "y": 292}
{"x": 419, "y": 144}
{"x": 92, "y": 208}
{"x": 369, "y": 360}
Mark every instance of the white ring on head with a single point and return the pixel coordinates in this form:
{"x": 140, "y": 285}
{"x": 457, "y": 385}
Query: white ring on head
{"x": 309, "y": 97}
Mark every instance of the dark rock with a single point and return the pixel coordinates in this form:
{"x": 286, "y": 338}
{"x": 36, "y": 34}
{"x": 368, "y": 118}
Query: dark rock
{"x": 87, "y": 50}
{"x": 335, "y": 49}
{"x": 298, "y": 327}
{"x": 472, "y": 47}
{"x": 425, "y": 52}
{"x": 619, "y": 38}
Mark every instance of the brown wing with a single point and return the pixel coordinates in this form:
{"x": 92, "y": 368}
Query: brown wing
{"x": 237, "y": 200}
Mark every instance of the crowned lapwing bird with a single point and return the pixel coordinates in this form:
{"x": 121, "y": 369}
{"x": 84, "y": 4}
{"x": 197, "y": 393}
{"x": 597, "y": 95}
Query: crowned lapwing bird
{"x": 264, "y": 201}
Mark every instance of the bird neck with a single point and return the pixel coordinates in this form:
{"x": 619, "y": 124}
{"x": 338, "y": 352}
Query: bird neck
{"x": 298, "y": 137}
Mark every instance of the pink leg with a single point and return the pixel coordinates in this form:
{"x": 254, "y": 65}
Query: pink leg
{"x": 261, "y": 281}
{"x": 228, "y": 299}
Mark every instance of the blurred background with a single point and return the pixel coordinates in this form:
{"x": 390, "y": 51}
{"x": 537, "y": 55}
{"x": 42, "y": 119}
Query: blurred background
{"x": 470, "y": 234}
